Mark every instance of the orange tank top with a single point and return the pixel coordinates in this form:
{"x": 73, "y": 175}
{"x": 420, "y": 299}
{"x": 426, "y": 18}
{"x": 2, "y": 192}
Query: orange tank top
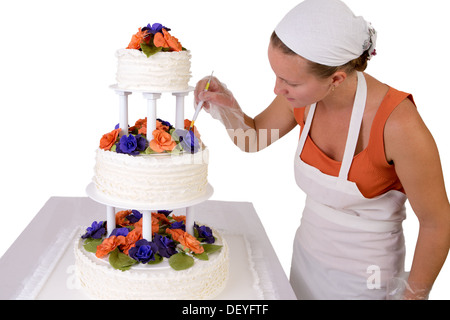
{"x": 369, "y": 170}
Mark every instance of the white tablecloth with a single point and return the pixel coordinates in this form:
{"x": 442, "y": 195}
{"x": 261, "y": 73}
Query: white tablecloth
{"x": 31, "y": 258}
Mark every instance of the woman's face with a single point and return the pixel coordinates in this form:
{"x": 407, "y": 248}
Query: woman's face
{"x": 294, "y": 80}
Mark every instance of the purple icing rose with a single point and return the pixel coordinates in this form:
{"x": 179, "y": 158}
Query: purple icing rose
{"x": 205, "y": 233}
{"x": 166, "y": 246}
{"x": 155, "y": 28}
{"x": 178, "y": 225}
{"x": 95, "y": 231}
{"x": 120, "y": 232}
{"x": 131, "y": 144}
{"x": 143, "y": 251}
{"x": 134, "y": 217}
{"x": 165, "y": 212}
{"x": 187, "y": 139}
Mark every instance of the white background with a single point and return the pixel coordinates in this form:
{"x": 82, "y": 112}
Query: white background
{"x": 57, "y": 62}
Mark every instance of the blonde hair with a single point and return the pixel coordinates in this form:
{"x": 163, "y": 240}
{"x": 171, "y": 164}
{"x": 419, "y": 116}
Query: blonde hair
{"x": 320, "y": 70}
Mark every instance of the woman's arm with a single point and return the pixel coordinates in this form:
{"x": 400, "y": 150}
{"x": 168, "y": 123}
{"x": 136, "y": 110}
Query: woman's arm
{"x": 412, "y": 149}
{"x": 274, "y": 122}
{"x": 249, "y": 134}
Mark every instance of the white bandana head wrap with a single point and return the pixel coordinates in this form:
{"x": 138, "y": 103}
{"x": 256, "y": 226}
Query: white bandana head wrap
{"x": 326, "y": 32}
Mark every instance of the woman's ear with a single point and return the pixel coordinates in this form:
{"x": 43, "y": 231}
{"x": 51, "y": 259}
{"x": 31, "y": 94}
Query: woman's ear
{"x": 338, "y": 77}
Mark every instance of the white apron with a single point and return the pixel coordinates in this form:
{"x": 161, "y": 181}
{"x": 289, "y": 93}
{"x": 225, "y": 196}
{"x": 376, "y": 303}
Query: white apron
{"x": 347, "y": 246}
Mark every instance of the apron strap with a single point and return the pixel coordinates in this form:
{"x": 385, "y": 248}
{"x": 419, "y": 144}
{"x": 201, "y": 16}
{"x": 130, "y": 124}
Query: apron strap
{"x": 353, "y": 131}
{"x": 354, "y": 127}
{"x": 306, "y": 128}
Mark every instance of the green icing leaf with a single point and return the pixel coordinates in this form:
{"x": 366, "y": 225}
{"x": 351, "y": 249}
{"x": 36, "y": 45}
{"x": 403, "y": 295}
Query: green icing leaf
{"x": 196, "y": 234}
{"x": 157, "y": 260}
{"x": 149, "y": 50}
{"x": 149, "y": 151}
{"x": 201, "y": 256}
{"x": 181, "y": 261}
{"x": 211, "y": 248}
{"x": 121, "y": 261}
{"x": 177, "y": 150}
{"x": 90, "y": 244}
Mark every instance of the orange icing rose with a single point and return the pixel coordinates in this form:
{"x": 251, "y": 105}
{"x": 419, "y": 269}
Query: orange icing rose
{"x": 131, "y": 238}
{"x": 179, "y": 218}
{"x": 108, "y": 245}
{"x": 141, "y": 126}
{"x": 160, "y": 126}
{"x": 138, "y": 225}
{"x": 159, "y": 41}
{"x": 120, "y": 218}
{"x": 143, "y": 130}
{"x": 155, "y": 226}
{"x": 185, "y": 239}
{"x": 166, "y": 40}
{"x": 162, "y": 141}
{"x": 160, "y": 217}
{"x": 137, "y": 39}
{"x": 109, "y": 139}
{"x": 141, "y": 122}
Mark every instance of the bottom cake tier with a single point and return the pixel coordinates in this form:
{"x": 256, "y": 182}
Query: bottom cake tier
{"x": 205, "y": 279}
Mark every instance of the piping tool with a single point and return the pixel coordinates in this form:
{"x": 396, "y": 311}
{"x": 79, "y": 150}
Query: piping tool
{"x": 200, "y": 104}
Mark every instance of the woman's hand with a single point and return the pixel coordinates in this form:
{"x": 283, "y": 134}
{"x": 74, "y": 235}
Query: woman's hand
{"x": 249, "y": 134}
{"x": 217, "y": 96}
{"x": 220, "y": 103}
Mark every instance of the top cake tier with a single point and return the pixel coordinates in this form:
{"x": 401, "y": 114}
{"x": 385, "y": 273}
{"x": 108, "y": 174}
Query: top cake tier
{"x": 154, "y": 61}
{"x": 161, "y": 72}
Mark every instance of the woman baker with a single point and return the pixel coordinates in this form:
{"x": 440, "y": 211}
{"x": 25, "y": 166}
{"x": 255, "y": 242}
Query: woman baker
{"x": 363, "y": 151}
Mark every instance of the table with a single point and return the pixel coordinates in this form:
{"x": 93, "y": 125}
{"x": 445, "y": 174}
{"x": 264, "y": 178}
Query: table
{"x": 29, "y": 264}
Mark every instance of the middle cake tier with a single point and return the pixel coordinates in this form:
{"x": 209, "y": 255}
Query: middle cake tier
{"x": 158, "y": 178}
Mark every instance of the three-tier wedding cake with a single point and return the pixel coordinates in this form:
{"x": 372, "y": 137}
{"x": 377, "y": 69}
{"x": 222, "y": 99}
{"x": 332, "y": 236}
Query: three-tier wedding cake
{"x": 142, "y": 250}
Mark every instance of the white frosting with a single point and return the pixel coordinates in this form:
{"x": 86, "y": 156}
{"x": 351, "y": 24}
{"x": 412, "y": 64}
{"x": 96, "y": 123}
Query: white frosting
{"x": 151, "y": 178}
{"x": 204, "y": 280}
{"x": 163, "y": 71}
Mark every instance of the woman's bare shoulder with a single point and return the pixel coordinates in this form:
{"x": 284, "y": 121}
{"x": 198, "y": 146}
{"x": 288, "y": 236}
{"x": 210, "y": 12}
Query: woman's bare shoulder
{"x": 405, "y": 129}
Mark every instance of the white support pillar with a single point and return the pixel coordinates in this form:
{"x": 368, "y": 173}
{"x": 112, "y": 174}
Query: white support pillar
{"x": 147, "y": 225}
{"x": 190, "y": 220}
{"x": 123, "y": 111}
{"x": 179, "y": 112}
{"x": 110, "y": 219}
{"x": 151, "y": 113}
